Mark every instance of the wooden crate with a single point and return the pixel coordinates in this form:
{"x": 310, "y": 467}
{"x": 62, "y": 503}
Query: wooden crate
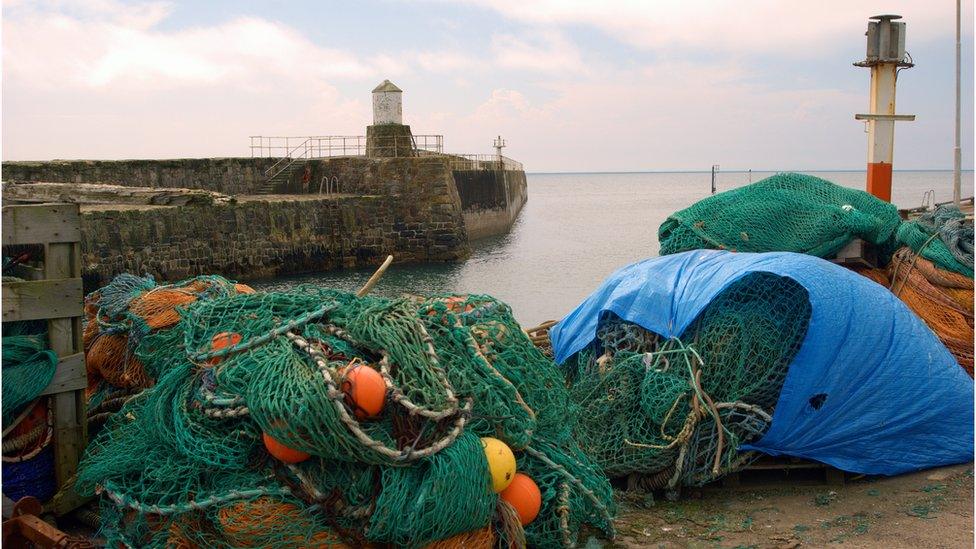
{"x": 54, "y": 293}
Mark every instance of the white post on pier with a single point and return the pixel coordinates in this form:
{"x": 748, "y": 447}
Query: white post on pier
{"x": 499, "y": 145}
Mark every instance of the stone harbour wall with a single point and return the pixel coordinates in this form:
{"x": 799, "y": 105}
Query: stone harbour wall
{"x": 223, "y": 175}
{"x": 491, "y": 200}
{"x": 342, "y": 212}
{"x": 262, "y": 237}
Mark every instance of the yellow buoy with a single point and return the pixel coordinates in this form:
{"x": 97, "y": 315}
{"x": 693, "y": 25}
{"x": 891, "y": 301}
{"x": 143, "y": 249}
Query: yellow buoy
{"x": 501, "y": 462}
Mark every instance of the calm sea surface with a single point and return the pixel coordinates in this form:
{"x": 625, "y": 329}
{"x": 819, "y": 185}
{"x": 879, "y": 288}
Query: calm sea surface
{"x": 576, "y": 229}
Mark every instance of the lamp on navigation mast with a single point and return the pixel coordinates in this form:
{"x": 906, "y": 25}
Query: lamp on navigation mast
{"x": 499, "y": 145}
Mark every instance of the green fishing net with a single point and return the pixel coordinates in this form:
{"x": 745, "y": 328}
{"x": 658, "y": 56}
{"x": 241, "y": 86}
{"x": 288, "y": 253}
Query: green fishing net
{"x": 28, "y": 367}
{"x": 944, "y": 236}
{"x": 183, "y": 462}
{"x": 676, "y": 410}
{"x": 787, "y": 212}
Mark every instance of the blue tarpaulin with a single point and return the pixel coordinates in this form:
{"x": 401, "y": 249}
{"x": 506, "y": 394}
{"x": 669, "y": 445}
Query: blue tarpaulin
{"x": 896, "y": 400}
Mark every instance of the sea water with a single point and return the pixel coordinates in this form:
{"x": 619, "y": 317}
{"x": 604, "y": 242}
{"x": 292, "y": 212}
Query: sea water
{"x": 577, "y": 228}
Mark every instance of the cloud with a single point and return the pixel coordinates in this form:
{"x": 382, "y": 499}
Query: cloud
{"x": 506, "y": 104}
{"x": 123, "y": 47}
{"x": 790, "y": 29}
{"x": 674, "y": 115}
{"x": 434, "y": 61}
{"x": 104, "y": 79}
{"x": 107, "y": 79}
{"x": 538, "y": 50}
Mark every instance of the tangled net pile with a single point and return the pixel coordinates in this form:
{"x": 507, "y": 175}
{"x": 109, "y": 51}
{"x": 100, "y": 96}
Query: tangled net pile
{"x": 787, "y": 212}
{"x": 675, "y": 411}
{"x": 28, "y": 367}
{"x": 932, "y": 272}
{"x": 944, "y": 236}
{"x": 117, "y": 319}
{"x": 927, "y": 262}
{"x": 183, "y": 464}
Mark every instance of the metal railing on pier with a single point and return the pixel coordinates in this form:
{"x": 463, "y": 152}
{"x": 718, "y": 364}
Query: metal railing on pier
{"x": 484, "y": 162}
{"x": 290, "y": 151}
{"x": 327, "y": 146}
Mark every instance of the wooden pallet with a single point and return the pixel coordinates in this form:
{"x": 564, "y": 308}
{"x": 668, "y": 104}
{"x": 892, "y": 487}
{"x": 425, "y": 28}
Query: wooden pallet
{"x": 769, "y": 470}
{"x": 53, "y": 292}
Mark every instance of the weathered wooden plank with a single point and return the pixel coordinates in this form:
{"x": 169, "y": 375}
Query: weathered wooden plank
{"x": 59, "y": 299}
{"x": 61, "y": 260}
{"x": 41, "y": 223}
{"x": 66, "y": 500}
{"x": 40, "y": 299}
{"x": 69, "y": 376}
{"x": 68, "y": 441}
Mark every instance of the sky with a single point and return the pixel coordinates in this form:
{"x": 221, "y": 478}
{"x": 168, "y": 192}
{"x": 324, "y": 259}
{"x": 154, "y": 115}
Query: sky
{"x": 572, "y": 85}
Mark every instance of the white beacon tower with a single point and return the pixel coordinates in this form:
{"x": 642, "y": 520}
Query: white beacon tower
{"x": 387, "y": 104}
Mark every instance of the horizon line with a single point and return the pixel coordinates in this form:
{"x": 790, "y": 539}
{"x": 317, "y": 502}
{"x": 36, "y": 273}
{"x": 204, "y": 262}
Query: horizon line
{"x": 834, "y": 170}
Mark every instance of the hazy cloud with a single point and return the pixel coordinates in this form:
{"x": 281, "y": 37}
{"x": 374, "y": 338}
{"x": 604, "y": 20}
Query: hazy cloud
{"x": 537, "y": 50}
{"x": 795, "y": 29}
{"x": 572, "y": 85}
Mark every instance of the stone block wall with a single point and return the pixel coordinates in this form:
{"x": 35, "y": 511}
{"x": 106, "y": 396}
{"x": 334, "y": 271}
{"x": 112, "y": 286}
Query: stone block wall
{"x": 490, "y": 199}
{"x": 415, "y": 208}
{"x": 259, "y": 238}
{"x": 223, "y": 175}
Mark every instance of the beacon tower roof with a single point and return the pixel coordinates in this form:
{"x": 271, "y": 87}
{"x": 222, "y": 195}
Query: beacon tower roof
{"x": 386, "y": 86}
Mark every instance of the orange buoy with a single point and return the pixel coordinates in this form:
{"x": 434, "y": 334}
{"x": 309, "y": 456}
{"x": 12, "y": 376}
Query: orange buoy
{"x": 365, "y": 390}
{"x": 243, "y": 289}
{"x": 283, "y": 453}
{"x": 456, "y": 304}
{"x": 523, "y": 494}
{"x": 222, "y": 341}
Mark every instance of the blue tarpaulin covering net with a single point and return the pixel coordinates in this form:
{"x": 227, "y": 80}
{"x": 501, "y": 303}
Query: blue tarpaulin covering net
{"x": 869, "y": 390}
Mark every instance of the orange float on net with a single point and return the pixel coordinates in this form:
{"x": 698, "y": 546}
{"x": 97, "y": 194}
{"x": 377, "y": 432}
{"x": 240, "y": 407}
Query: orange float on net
{"x": 365, "y": 390}
{"x": 523, "y": 494}
{"x": 283, "y": 453}
{"x": 456, "y": 304}
{"x": 243, "y": 289}
{"x": 223, "y": 340}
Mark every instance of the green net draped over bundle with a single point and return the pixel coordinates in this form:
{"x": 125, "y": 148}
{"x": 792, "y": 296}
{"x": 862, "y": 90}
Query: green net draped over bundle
{"x": 944, "y": 236}
{"x": 184, "y": 463}
{"x": 787, "y": 212}
{"x": 676, "y": 410}
{"x": 28, "y": 367}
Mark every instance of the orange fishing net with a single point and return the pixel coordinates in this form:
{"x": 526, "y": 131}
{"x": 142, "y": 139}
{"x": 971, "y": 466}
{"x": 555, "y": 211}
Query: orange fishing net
{"x": 109, "y": 348}
{"x": 476, "y": 539}
{"x": 108, "y": 357}
{"x": 158, "y": 307}
{"x": 943, "y": 299}
{"x": 179, "y": 537}
{"x": 267, "y": 522}
{"x": 243, "y": 289}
